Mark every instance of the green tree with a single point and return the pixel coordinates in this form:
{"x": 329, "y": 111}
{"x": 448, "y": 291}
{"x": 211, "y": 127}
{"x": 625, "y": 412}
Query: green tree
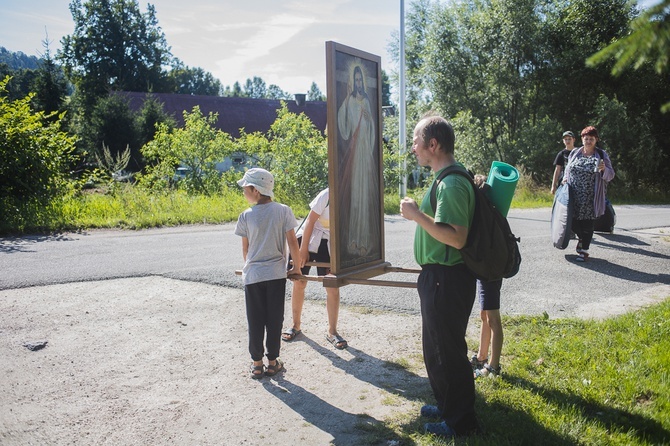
{"x": 315, "y": 94}
{"x": 198, "y": 146}
{"x": 150, "y": 115}
{"x": 481, "y": 59}
{"x": 620, "y": 130}
{"x": 114, "y": 47}
{"x": 416, "y": 19}
{"x": 295, "y": 152}
{"x": 20, "y": 83}
{"x": 512, "y": 73}
{"x": 386, "y": 89}
{"x": 235, "y": 91}
{"x": 35, "y": 154}
{"x": 573, "y": 31}
{"x": 255, "y": 88}
{"x": 50, "y": 86}
{"x": 275, "y": 92}
{"x": 648, "y": 41}
{"x": 112, "y": 123}
{"x": 187, "y": 80}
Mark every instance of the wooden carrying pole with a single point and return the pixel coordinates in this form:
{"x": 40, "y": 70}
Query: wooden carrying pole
{"x": 333, "y": 281}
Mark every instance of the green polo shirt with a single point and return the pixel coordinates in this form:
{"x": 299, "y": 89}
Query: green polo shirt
{"x": 455, "y": 206}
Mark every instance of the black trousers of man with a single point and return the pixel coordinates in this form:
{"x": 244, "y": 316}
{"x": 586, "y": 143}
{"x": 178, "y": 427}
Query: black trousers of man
{"x": 447, "y": 294}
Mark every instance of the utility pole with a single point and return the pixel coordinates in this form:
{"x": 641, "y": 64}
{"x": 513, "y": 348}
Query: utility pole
{"x": 401, "y": 105}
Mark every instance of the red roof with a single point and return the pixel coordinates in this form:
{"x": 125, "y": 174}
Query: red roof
{"x": 234, "y": 113}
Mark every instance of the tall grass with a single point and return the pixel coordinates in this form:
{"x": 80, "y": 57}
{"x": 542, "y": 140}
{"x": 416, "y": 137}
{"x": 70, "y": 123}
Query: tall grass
{"x": 136, "y": 208}
{"x": 130, "y": 207}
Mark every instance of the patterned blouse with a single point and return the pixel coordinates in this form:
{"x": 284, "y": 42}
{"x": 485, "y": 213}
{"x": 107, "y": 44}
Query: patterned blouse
{"x": 586, "y": 181}
{"x": 583, "y": 181}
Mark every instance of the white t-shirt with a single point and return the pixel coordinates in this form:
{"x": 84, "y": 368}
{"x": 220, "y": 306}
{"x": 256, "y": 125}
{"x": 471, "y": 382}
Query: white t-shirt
{"x": 321, "y": 206}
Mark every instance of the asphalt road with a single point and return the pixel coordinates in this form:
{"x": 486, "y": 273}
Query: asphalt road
{"x": 629, "y": 264}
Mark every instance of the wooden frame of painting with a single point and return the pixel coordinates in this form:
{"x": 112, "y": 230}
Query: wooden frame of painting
{"x": 355, "y": 174}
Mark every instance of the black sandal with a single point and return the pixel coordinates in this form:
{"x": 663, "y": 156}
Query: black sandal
{"x": 272, "y": 370}
{"x": 338, "y": 341}
{"x": 289, "y": 334}
{"x": 257, "y": 368}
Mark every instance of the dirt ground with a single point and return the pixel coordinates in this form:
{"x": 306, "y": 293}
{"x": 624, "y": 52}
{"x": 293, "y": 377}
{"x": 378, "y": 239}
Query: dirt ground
{"x": 153, "y": 361}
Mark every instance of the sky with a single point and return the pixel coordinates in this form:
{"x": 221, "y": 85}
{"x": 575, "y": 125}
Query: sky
{"x": 281, "y": 41}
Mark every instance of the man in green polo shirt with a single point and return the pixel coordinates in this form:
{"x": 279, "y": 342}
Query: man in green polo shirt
{"x": 446, "y": 286}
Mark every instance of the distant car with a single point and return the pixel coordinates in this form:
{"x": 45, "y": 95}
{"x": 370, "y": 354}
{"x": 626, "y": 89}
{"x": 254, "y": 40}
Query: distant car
{"x": 181, "y": 173}
{"x": 123, "y": 176}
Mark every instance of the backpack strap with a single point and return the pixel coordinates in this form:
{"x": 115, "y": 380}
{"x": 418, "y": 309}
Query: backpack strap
{"x": 447, "y": 171}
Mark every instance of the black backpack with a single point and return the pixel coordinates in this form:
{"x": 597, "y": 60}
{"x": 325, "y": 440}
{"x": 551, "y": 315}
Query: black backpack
{"x": 491, "y": 251}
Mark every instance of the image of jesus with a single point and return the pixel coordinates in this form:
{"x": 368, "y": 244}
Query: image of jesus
{"x": 360, "y": 174}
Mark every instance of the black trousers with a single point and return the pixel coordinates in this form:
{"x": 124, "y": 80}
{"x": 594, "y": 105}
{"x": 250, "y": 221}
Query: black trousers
{"x": 584, "y": 230}
{"x": 265, "y": 317}
{"x": 447, "y": 294}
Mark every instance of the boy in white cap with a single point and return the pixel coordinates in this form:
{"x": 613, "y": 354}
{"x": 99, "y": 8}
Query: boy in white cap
{"x": 265, "y": 228}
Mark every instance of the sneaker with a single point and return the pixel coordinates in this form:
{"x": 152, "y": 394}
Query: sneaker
{"x": 582, "y": 257}
{"x": 487, "y": 370}
{"x": 476, "y": 363}
{"x": 579, "y": 247}
{"x": 430, "y": 411}
{"x": 440, "y": 429}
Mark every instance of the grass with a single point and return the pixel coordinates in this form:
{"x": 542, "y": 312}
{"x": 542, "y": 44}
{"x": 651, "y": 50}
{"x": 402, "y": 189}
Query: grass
{"x": 566, "y": 382}
{"x": 127, "y": 207}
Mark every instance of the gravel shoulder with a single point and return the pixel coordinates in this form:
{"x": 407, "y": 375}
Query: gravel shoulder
{"x": 154, "y": 360}
{"x": 159, "y": 361}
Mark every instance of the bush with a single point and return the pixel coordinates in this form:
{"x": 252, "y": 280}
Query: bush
{"x": 35, "y": 156}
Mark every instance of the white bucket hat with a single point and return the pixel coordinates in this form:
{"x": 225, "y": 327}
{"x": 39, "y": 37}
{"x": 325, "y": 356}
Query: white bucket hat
{"x": 259, "y": 178}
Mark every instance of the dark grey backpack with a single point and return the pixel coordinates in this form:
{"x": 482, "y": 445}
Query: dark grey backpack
{"x": 491, "y": 251}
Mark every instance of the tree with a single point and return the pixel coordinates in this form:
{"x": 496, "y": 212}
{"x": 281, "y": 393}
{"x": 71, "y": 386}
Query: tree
{"x": 275, "y": 92}
{"x": 386, "y": 89}
{"x": 416, "y": 19}
{"x": 255, "y": 88}
{"x": 187, "y": 80}
{"x": 149, "y": 117}
{"x": 480, "y": 58}
{"x": 649, "y": 39}
{"x": 114, "y": 47}
{"x": 199, "y": 146}
{"x": 20, "y": 83}
{"x": 112, "y": 123}
{"x": 50, "y": 86}
{"x": 314, "y": 94}
{"x": 571, "y": 32}
{"x": 18, "y": 60}
{"x": 511, "y": 74}
{"x": 235, "y": 91}
{"x": 295, "y": 151}
{"x": 36, "y": 156}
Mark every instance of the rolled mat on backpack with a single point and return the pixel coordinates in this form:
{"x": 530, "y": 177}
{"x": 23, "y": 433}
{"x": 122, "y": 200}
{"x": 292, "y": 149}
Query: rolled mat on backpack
{"x": 502, "y": 178}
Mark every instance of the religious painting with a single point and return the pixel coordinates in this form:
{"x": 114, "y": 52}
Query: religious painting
{"x": 354, "y": 158}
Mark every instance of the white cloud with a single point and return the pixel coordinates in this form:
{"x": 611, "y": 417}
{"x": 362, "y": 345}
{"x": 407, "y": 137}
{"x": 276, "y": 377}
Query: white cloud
{"x": 282, "y": 41}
